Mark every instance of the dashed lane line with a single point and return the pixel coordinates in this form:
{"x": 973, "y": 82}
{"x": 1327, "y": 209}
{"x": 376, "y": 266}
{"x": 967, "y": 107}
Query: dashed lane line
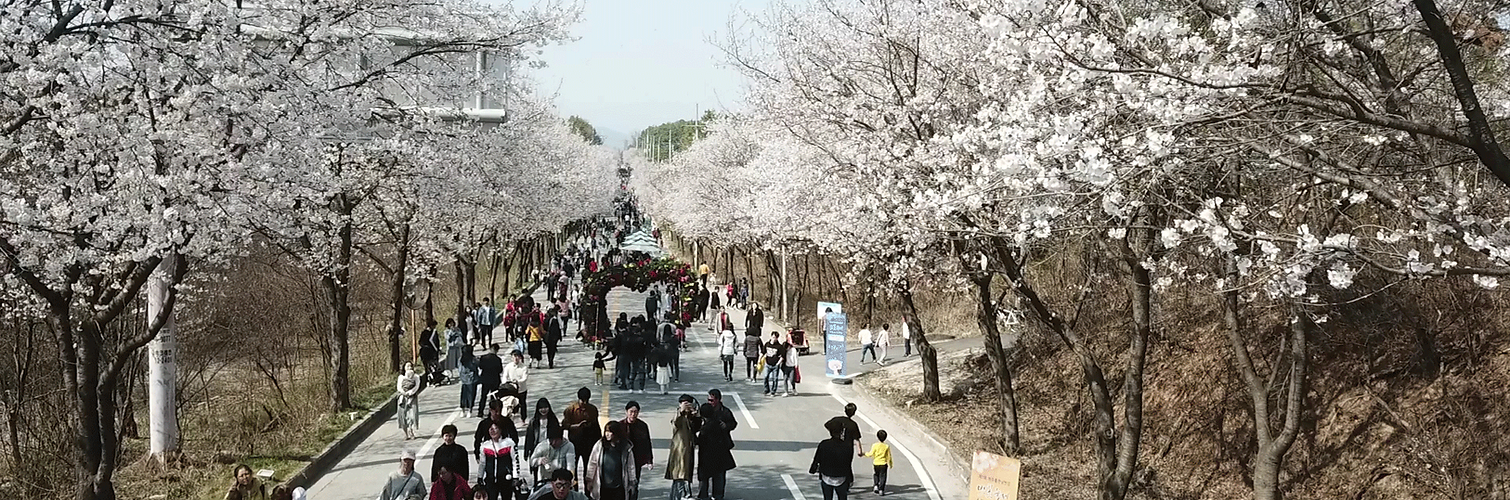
{"x": 749, "y": 419}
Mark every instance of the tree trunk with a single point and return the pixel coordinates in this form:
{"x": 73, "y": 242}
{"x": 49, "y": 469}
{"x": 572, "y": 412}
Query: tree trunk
{"x": 1135, "y": 250}
{"x": 1010, "y": 258}
{"x": 461, "y": 290}
{"x": 494, "y": 272}
{"x": 1007, "y": 403}
{"x": 1270, "y": 457}
{"x": 337, "y": 286}
{"x": 926, "y": 351}
{"x": 396, "y": 300}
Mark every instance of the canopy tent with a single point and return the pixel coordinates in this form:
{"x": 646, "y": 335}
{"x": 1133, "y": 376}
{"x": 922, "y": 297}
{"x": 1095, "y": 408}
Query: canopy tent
{"x": 641, "y": 241}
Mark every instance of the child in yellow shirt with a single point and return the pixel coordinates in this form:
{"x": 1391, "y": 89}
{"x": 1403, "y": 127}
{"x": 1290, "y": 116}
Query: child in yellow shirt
{"x": 880, "y": 454}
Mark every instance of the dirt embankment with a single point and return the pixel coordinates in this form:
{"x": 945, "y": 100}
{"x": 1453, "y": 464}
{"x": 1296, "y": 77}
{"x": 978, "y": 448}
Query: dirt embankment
{"x": 1378, "y": 426}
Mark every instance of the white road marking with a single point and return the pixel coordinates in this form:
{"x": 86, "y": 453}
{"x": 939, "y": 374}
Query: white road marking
{"x": 917, "y": 465}
{"x": 430, "y": 444}
{"x": 749, "y": 419}
{"x": 791, "y": 485}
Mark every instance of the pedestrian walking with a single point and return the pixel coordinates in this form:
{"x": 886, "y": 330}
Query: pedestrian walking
{"x": 598, "y": 365}
{"x": 611, "y": 473}
{"x": 851, "y": 429}
{"x": 751, "y": 351}
{"x": 429, "y": 353}
{"x": 450, "y": 456}
{"x": 518, "y": 374}
{"x": 580, "y": 419}
{"x": 554, "y": 331}
{"x": 726, "y": 348}
{"x": 715, "y": 446}
{"x": 404, "y": 483}
{"x": 775, "y": 355}
{"x": 880, "y": 454}
{"x": 755, "y": 320}
{"x": 833, "y": 464}
{"x": 485, "y": 318}
{"x": 496, "y": 418}
{"x": 653, "y": 304}
{"x": 671, "y": 348}
{"x": 555, "y": 453}
{"x": 679, "y": 461}
{"x": 408, "y": 401}
{"x": 449, "y": 485}
{"x": 469, "y": 377}
{"x": 906, "y": 337}
{"x": 455, "y": 341}
{"x": 638, "y": 434}
{"x": 500, "y": 467}
{"x": 789, "y": 367}
{"x": 882, "y": 340}
{"x": 560, "y": 488}
{"x": 535, "y": 335}
{"x": 538, "y": 429}
{"x": 490, "y": 372}
{"x": 867, "y": 343}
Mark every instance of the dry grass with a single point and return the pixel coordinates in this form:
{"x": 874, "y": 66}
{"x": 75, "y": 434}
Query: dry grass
{"x": 1379, "y": 426}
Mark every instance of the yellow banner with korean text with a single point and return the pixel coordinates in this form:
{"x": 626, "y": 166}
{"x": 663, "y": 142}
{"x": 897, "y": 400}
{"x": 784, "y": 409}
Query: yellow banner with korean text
{"x": 994, "y": 477}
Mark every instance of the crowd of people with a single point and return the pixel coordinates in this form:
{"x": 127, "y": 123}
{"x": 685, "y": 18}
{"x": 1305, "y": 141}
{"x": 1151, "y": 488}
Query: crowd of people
{"x": 534, "y": 453}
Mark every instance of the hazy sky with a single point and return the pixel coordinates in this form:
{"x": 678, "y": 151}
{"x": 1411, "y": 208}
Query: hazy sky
{"x": 639, "y": 63}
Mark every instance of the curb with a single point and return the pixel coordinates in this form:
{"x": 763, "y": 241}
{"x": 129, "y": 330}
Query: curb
{"x": 322, "y": 462}
{"x": 951, "y": 473}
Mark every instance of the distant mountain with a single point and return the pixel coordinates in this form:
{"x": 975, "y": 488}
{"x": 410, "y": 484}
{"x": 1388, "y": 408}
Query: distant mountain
{"x": 613, "y": 138}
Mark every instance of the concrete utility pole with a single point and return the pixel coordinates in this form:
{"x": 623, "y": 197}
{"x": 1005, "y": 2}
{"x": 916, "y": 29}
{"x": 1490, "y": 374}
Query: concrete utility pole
{"x": 162, "y": 351}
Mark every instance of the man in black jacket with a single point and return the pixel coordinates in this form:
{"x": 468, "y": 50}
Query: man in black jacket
{"x": 652, "y": 303}
{"x": 715, "y": 446}
{"x": 450, "y": 455}
{"x": 755, "y": 320}
{"x": 491, "y": 367}
{"x": 554, "y": 328}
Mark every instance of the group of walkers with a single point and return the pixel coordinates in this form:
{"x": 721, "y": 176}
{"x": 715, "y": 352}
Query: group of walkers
{"x": 546, "y": 459}
{"x": 643, "y": 351}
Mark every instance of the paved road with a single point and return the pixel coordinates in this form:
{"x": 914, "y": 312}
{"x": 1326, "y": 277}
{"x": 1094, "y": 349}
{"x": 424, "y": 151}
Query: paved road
{"x": 774, "y": 442}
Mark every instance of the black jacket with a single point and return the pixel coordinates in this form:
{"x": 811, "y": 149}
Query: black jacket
{"x": 454, "y": 457}
{"x": 834, "y": 459}
{"x": 715, "y": 441}
{"x": 755, "y": 320}
{"x": 491, "y": 368}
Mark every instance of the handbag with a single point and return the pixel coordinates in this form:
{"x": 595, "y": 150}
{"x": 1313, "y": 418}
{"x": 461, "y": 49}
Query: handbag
{"x": 796, "y": 375}
{"x": 760, "y": 365}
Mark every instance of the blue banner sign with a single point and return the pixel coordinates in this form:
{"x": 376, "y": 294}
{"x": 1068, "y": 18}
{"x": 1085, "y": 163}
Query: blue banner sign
{"x": 835, "y": 330}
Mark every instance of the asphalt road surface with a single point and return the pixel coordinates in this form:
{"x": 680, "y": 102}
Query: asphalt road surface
{"x": 774, "y": 443}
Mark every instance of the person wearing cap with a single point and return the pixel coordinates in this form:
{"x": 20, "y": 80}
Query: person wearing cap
{"x": 558, "y": 488}
{"x": 715, "y": 446}
{"x": 405, "y": 483}
{"x": 684, "y": 427}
